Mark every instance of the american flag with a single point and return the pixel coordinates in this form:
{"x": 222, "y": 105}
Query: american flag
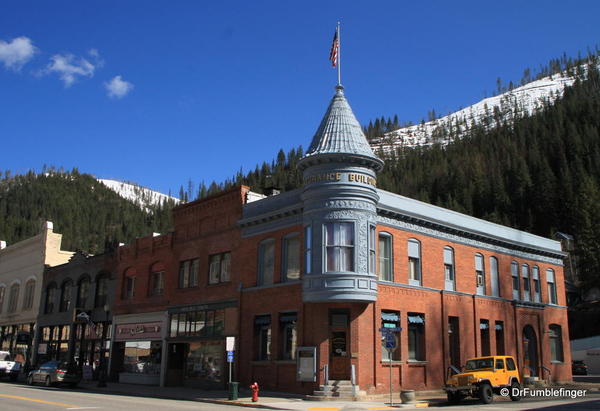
{"x": 333, "y": 54}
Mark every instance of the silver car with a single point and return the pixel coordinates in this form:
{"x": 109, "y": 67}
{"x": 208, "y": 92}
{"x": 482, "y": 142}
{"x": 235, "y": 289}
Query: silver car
{"x": 54, "y": 373}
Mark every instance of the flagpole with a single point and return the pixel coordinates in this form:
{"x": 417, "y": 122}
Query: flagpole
{"x": 339, "y": 55}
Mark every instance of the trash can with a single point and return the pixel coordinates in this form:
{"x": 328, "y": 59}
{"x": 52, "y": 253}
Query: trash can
{"x": 233, "y": 390}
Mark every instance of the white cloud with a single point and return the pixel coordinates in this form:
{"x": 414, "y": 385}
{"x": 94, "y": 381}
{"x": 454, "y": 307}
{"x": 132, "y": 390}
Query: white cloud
{"x": 117, "y": 87}
{"x": 16, "y": 53}
{"x": 69, "y": 68}
{"x": 98, "y": 61}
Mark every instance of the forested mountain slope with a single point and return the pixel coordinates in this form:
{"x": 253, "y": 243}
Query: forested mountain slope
{"x": 90, "y": 216}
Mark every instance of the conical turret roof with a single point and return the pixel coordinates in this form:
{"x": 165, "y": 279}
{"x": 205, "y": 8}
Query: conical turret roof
{"x": 340, "y": 135}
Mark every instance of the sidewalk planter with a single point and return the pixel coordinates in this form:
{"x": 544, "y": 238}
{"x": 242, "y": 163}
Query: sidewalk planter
{"x": 407, "y": 396}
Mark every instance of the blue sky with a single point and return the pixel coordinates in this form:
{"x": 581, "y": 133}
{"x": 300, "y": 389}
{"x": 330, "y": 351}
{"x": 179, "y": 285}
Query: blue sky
{"x": 158, "y": 92}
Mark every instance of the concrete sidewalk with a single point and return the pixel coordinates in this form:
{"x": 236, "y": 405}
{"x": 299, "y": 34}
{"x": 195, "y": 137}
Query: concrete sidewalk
{"x": 267, "y": 400}
{"x": 287, "y": 401}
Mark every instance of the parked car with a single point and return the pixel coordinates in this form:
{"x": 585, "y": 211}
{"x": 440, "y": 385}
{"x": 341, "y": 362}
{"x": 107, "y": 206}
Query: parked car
{"x": 55, "y": 373}
{"x": 483, "y": 377}
{"x": 9, "y": 368}
{"x": 579, "y": 368}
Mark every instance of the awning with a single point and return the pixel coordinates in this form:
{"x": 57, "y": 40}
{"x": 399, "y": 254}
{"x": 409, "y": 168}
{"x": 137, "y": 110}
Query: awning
{"x": 390, "y": 316}
{"x": 262, "y": 320}
{"x": 416, "y": 319}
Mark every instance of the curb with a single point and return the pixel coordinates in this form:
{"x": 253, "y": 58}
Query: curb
{"x": 180, "y": 398}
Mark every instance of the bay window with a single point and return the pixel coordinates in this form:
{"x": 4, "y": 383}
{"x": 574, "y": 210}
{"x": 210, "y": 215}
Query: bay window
{"x": 339, "y": 247}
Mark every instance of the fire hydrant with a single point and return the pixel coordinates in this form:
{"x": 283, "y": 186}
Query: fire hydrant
{"x": 254, "y": 388}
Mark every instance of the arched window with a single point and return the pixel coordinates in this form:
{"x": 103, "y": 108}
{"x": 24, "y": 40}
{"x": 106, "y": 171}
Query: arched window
{"x": 29, "y": 294}
{"x": 516, "y": 284}
{"x": 526, "y": 282}
{"x": 536, "y": 284}
{"x": 2, "y": 292}
{"x": 84, "y": 292}
{"x": 414, "y": 262}
{"x": 129, "y": 283}
{"x": 386, "y": 266}
{"x": 495, "y": 276}
{"x": 556, "y": 347}
{"x": 552, "y": 298}
{"x": 480, "y": 274}
{"x": 266, "y": 262}
{"x": 291, "y": 257}
{"x": 50, "y": 298}
{"x": 449, "y": 269}
{"x": 157, "y": 279}
{"x": 66, "y": 298}
{"x": 101, "y": 290}
{"x": 13, "y": 298}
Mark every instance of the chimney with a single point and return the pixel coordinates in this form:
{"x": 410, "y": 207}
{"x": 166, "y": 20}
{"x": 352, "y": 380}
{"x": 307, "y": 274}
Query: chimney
{"x": 48, "y": 225}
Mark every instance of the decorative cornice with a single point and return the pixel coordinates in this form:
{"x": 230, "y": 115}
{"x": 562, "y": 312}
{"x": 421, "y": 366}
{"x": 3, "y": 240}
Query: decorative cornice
{"x": 416, "y": 225}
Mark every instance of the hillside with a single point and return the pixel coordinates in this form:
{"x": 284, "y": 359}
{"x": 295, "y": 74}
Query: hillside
{"x": 90, "y": 215}
{"x": 518, "y": 102}
{"x": 144, "y": 197}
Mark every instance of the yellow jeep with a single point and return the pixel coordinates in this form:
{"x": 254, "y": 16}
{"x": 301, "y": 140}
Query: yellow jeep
{"x": 483, "y": 377}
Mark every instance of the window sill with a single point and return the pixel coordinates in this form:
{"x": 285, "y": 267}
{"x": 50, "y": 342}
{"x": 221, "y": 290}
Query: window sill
{"x": 218, "y": 284}
{"x": 395, "y": 363}
{"x": 186, "y": 289}
{"x": 418, "y": 363}
{"x": 156, "y": 295}
{"x": 557, "y": 362}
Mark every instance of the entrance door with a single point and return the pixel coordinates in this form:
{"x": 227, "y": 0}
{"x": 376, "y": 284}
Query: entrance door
{"x": 339, "y": 346}
{"x": 454, "y": 341}
{"x": 530, "y": 353}
{"x": 176, "y": 363}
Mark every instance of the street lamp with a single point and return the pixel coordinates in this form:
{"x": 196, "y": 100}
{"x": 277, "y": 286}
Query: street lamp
{"x": 102, "y": 375}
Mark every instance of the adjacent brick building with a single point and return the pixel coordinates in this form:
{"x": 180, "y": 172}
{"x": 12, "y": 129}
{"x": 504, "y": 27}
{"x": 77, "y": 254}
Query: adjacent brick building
{"x": 306, "y": 281}
{"x": 75, "y": 314}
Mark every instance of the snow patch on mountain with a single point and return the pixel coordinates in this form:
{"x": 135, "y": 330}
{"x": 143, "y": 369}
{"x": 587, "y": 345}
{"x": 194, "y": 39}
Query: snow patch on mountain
{"x": 518, "y": 102}
{"x": 142, "y": 196}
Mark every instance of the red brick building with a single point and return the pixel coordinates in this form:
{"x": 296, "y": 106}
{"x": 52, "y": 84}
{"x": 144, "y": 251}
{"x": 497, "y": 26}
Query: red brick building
{"x": 306, "y": 280}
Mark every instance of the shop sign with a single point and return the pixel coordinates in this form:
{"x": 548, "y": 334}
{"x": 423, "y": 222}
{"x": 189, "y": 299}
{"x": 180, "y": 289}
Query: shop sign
{"x": 43, "y": 348}
{"x": 593, "y": 352}
{"x": 139, "y": 331}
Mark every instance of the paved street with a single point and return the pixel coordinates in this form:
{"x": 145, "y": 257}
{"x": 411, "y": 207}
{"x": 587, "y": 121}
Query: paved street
{"x": 592, "y": 402}
{"x": 16, "y": 397}
{"x": 22, "y": 397}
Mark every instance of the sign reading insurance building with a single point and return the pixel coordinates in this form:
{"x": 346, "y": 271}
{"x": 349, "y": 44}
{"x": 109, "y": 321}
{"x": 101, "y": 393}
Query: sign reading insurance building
{"x": 337, "y": 176}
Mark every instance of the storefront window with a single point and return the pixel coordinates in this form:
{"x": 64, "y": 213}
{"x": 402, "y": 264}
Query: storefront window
{"x": 204, "y": 361}
{"x": 206, "y": 323}
{"x": 142, "y": 357}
